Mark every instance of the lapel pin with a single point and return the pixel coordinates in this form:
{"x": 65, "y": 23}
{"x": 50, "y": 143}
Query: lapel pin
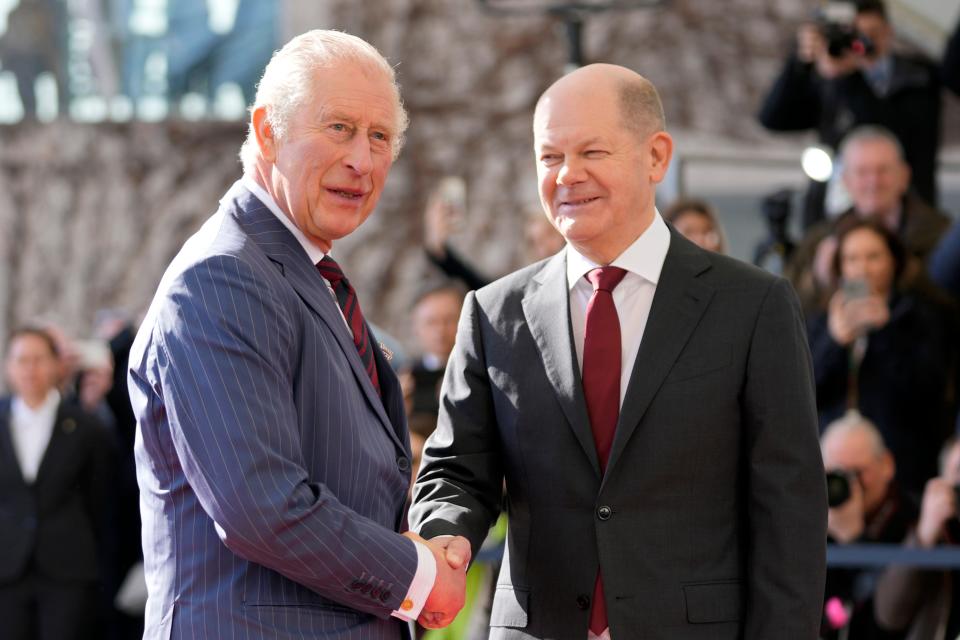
{"x": 69, "y": 425}
{"x": 386, "y": 352}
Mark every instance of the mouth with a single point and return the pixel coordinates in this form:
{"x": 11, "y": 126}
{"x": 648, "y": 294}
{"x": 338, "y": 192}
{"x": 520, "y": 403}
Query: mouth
{"x": 349, "y": 194}
{"x": 579, "y": 202}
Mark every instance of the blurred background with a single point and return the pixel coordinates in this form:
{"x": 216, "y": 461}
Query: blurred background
{"x": 122, "y": 120}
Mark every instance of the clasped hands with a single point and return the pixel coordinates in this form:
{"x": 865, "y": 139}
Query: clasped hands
{"x": 452, "y": 554}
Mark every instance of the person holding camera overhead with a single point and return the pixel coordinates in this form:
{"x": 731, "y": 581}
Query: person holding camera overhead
{"x": 926, "y": 604}
{"x": 866, "y": 507}
{"x": 844, "y": 73}
{"x": 886, "y": 352}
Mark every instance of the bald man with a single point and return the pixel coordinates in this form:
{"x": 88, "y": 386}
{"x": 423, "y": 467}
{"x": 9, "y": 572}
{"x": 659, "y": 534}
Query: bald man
{"x": 649, "y": 406}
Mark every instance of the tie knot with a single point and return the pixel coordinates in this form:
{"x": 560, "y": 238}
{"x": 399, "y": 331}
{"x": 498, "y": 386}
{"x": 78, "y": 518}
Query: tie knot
{"x": 330, "y": 270}
{"x": 605, "y": 278}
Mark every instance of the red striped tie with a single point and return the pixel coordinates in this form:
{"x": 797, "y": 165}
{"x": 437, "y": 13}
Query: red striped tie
{"x": 601, "y": 388}
{"x": 347, "y": 299}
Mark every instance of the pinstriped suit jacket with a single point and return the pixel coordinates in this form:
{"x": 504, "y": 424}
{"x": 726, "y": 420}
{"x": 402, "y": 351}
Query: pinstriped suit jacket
{"x": 272, "y": 478}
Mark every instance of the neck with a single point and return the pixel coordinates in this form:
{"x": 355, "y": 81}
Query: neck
{"x": 34, "y": 400}
{"x": 603, "y": 253}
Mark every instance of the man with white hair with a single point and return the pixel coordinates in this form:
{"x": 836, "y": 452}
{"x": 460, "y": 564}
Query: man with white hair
{"x": 272, "y": 450}
{"x": 872, "y": 510}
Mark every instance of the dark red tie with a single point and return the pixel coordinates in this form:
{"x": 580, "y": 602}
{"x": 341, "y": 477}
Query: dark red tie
{"x": 601, "y": 387}
{"x": 347, "y": 299}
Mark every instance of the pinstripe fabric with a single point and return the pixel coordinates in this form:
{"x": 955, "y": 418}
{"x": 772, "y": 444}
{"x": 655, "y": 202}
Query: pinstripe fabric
{"x": 269, "y": 469}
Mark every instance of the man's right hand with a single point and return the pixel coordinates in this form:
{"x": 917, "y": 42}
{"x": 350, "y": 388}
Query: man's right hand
{"x": 452, "y": 555}
{"x": 939, "y": 505}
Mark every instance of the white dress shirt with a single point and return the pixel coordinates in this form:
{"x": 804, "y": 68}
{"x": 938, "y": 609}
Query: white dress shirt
{"x": 30, "y": 430}
{"x": 426, "y": 573}
{"x": 633, "y": 297}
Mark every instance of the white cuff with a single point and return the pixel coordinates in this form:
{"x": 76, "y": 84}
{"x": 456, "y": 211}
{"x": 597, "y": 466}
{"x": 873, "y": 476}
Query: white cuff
{"x": 421, "y": 586}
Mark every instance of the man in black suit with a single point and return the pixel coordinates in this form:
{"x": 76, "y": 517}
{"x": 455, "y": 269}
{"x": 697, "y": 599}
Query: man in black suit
{"x": 649, "y": 405}
{"x": 54, "y": 461}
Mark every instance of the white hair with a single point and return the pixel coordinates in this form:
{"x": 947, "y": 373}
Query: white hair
{"x": 289, "y": 81}
{"x": 852, "y": 422}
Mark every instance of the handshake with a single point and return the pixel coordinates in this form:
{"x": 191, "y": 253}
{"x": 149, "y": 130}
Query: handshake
{"x": 452, "y": 554}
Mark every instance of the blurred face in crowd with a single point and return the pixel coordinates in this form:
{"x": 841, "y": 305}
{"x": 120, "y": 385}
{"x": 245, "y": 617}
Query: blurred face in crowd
{"x": 876, "y": 28}
{"x": 435, "y": 322}
{"x": 875, "y": 177}
{"x": 328, "y": 171}
{"x": 854, "y": 452}
{"x": 32, "y": 368}
{"x": 597, "y": 177}
{"x": 698, "y": 229}
{"x": 864, "y": 255}
{"x": 542, "y": 239}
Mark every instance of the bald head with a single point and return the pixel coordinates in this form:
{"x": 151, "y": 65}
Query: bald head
{"x": 641, "y": 110}
{"x": 597, "y": 181}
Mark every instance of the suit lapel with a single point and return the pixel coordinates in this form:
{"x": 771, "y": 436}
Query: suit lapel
{"x": 547, "y": 309}
{"x": 284, "y": 250}
{"x": 8, "y": 457}
{"x": 59, "y": 449}
{"x": 678, "y": 305}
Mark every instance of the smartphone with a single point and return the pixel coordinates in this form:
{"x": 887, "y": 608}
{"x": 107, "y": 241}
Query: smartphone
{"x": 93, "y": 354}
{"x": 854, "y": 289}
{"x": 453, "y": 190}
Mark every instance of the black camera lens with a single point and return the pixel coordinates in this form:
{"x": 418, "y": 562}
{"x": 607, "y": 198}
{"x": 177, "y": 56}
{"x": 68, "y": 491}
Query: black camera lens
{"x": 838, "y": 488}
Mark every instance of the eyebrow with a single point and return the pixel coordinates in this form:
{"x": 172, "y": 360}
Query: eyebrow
{"x": 342, "y": 116}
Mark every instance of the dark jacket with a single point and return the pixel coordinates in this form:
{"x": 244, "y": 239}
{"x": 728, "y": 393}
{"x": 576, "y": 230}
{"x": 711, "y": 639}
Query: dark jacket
{"x": 51, "y": 526}
{"x": 903, "y": 382}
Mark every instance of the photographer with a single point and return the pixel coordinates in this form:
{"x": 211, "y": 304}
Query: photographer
{"x": 927, "y": 602}
{"x": 844, "y": 75}
{"x": 885, "y": 351}
{"x": 866, "y": 506}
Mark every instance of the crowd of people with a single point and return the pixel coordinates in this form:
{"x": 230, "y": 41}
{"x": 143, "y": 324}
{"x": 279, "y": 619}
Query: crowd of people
{"x": 879, "y": 288}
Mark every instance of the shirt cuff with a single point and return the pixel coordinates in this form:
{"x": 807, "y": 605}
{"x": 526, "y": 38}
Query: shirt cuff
{"x": 421, "y": 586}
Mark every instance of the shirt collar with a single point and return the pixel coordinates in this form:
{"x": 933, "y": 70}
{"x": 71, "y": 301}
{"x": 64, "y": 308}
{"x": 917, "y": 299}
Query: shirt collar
{"x": 315, "y": 253}
{"x": 644, "y": 257}
{"x": 48, "y": 409}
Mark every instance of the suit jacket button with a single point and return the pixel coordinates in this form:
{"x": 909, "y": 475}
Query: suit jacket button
{"x": 385, "y": 595}
{"x": 403, "y": 464}
{"x": 375, "y": 593}
{"x": 583, "y": 601}
{"x": 356, "y": 585}
{"x": 604, "y": 512}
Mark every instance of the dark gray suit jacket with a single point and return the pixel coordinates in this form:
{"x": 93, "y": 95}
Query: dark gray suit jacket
{"x": 272, "y": 477}
{"x": 711, "y": 519}
{"x": 52, "y": 525}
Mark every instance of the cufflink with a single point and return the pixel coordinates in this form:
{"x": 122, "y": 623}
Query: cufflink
{"x": 406, "y": 605}
{"x": 69, "y": 425}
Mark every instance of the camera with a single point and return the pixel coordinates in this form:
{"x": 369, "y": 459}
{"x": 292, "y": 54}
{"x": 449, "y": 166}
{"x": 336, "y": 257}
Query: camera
{"x": 836, "y": 22}
{"x": 838, "y": 488}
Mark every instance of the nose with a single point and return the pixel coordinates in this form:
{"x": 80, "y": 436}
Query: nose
{"x": 359, "y": 156}
{"x": 570, "y": 173}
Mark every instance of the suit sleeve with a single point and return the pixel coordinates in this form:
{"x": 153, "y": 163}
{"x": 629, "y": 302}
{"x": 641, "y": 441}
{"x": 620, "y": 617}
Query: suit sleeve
{"x": 460, "y": 485}
{"x": 221, "y": 350}
{"x": 787, "y": 507}
{"x": 794, "y": 102}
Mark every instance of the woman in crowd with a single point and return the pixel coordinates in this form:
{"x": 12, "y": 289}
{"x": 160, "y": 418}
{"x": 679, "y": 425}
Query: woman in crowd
{"x": 888, "y": 352}
{"x": 697, "y": 221}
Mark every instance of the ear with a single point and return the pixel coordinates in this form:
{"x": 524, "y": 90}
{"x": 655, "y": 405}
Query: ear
{"x": 660, "y": 145}
{"x": 889, "y": 466}
{"x": 264, "y": 134}
{"x": 905, "y": 175}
